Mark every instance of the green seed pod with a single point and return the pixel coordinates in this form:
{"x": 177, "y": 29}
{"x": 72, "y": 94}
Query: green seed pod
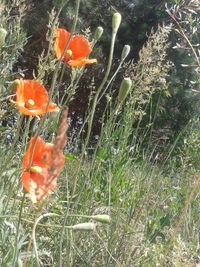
{"x": 116, "y": 20}
{"x": 103, "y": 218}
{"x": 124, "y": 89}
{"x": 89, "y": 226}
{"x": 3, "y": 34}
{"x": 98, "y": 33}
{"x": 125, "y": 52}
{"x": 13, "y": 86}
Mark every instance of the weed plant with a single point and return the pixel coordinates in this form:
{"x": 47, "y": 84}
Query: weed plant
{"x": 115, "y": 204}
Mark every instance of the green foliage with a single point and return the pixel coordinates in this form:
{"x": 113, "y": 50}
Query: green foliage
{"x": 14, "y": 42}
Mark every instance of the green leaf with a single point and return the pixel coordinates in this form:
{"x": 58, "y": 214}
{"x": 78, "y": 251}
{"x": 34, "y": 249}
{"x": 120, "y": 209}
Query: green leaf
{"x": 69, "y": 156}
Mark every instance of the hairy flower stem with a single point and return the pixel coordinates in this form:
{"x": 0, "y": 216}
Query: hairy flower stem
{"x": 55, "y": 75}
{"x": 100, "y": 89}
{"x": 95, "y": 101}
{"x": 17, "y": 232}
{"x": 110, "y": 81}
{"x": 12, "y": 150}
{"x": 40, "y": 208}
{"x": 53, "y": 85}
{"x": 53, "y": 26}
{"x": 33, "y": 234}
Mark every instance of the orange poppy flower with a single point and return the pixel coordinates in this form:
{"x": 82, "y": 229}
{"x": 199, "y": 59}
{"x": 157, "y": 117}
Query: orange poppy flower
{"x": 32, "y": 98}
{"x": 77, "y": 50}
{"x": 37, "y": 164}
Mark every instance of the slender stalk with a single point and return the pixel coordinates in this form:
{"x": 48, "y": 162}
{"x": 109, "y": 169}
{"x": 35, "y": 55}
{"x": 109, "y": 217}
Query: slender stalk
{"x": 17, "y": 232}
{"x": 95, "y": 101}
{"x": 185, "y": 37}
{"x": 53, "y": 85}
{"x": 72, "y": 31}
{"x": 61, "y": 77}
{"x": 100, "y": 89}
{"x": 33, "y": 234}
{"x": 72, "y": 85}
{"x": 52, "y": 32}
{"x": 63, "y": 232}
{"x": 12, "y": 151}
{"x": 112, "y": 78}
{"x": 188, "y": 201}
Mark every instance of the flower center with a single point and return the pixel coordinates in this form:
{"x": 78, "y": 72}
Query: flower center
{"x": 30, "y": 103}
{"x": 69, "y": 53}
{"x": 35, "y": 169}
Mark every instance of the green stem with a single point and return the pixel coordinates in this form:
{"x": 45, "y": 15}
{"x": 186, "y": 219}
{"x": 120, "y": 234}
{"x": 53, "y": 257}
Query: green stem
{"x": 33, "y": 234}
{"x": 90, "y": 122}
{"x": 17, "y": 232}
{"x": 12, "y": 150}
{"x": 52, "y": 32}
{"x": 112, "y": 78}
{"x": 53, "y": 85}
{"x": 100, "y": 89}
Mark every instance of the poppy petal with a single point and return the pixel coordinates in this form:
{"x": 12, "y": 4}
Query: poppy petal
{"x": 31, "y": 89}
{"x": 32, "y": 98}
{"x": 79, "y": 46}
{"x": 35, "y": 148}
{"x": 26, "y": 180}
{"x": 40, "y": 168}
{"x": 52, "y": 107}
{"x": 81, "y": 62}
{"x": 61, "y": 39}
{"x": 77, "y": 50}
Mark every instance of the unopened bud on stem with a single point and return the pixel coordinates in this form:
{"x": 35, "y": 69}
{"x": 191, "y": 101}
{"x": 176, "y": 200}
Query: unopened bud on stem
{"x": 98, "y": 33}
{"x": 125, "y": 52}
{"x": 103, "y": 218}
{"x": 89, "y": 226}
{"x": 124, "y": 89}
{"x": 116, "y": 20}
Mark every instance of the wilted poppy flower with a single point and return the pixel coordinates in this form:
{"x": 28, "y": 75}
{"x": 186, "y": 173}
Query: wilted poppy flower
{"x": 32, "y": 98}
{"x": 37, "y": 165}
{"x": 77, "y": 50}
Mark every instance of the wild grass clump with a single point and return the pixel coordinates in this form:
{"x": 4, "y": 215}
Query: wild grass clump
{"x": 69, "y": 198}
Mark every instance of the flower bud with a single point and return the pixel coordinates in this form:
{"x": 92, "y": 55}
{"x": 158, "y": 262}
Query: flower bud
{"x": 125, "y": 52}
{"x": 89, "y": 226}
{"x": 103, "y": 218}
{"x": 3, "y": 34}
{"x": 98, "y": 33}
{"x": 116, "y": 20}
{"x": 124, "y": 89}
